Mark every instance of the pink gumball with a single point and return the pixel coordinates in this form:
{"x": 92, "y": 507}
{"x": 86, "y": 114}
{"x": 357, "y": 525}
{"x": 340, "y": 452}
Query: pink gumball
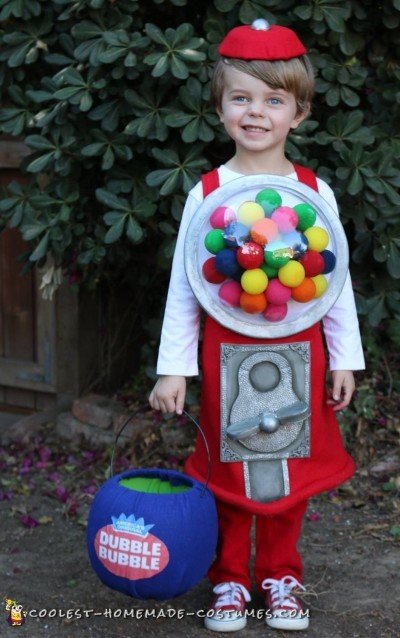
{"x": 276, "y": 293}
{"x": 285, "y": 218}
{"x": 275, "y": 313}
{"x": 229, "y": 293}
{"x": 221, "y": 217}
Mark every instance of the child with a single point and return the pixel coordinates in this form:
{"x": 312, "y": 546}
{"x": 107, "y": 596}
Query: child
{"x": 262, "y": 88}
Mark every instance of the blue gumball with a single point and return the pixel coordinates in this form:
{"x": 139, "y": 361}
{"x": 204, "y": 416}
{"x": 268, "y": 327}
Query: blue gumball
{"x": 329, "y": 261}
{"x": 227, "y": 264}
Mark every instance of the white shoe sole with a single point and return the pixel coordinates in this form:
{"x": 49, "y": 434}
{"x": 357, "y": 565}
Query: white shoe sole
{"x": 218, "y": 624}
{"x": 288, "y": 624}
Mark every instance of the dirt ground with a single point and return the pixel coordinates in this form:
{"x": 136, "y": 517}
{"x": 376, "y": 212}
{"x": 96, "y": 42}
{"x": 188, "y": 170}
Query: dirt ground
{"x": 350, "y": 548}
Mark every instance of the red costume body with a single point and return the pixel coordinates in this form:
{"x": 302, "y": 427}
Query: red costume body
{"x": 279, "y": 521}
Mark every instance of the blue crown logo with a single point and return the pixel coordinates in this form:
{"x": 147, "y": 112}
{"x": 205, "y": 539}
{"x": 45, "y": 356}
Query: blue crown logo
{"x": 131, "y": 525}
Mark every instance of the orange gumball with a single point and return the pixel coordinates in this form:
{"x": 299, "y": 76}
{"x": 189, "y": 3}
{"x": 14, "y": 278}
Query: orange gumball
{"x": 253, "y": 303}
{"x": 305, "y": 291}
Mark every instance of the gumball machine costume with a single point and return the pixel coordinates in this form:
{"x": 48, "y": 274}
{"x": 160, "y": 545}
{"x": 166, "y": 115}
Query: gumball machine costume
{"x": 273, "y": 438}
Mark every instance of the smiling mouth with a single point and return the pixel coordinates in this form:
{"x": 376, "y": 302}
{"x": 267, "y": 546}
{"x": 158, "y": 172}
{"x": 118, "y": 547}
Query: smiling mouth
{"x": 256, "y": 129}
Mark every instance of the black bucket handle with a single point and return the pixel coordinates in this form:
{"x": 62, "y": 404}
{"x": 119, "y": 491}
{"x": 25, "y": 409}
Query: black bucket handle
{"x": 189, "y": 416}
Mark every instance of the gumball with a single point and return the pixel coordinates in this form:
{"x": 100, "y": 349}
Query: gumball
{"x": 271, "y": 272}
{"x": 329, "y": 261}
{"x": 275, "y": 313}
{"x": 221, "y": 217}
{"x": 229, "y": 293}
{"x": 252, "y": 303}
{"x": 263, "y": 231}
{"x": 277, "y": 254}
{"x": 254, "y": 281}
{"x": 321, "y": 284}
{"x": 269, "y": 199}
{"x": 305, "y": 291}
{"x": 313, "y": 263}
{"x": 210, "y": 272}
{"x": 214, "y": 241}
{"x": 250, "y": 255}
{"x": 318, "y": 238}
{"x": 285, "y": 218}
{"x": 250, "y": 212}
{"x": 236, "y": 234}
{"x": 306, "y": 214}
{"x": 226, "y": 263}
{"x": 292, "y": 274}
{"x": 276, "y": 293}
{"x": 297, "y": 242}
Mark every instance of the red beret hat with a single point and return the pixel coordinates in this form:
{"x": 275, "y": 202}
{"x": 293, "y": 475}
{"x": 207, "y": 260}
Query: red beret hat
{"x": 261, "y": 41}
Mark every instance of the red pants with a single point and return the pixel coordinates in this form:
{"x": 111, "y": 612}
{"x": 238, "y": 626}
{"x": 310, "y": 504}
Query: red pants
{"x": 276, "y": 545}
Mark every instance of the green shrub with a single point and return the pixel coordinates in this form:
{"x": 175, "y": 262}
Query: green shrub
{"x": 112, "y": 98}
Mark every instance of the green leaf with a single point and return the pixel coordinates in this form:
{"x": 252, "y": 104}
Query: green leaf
{"x": 40, "y": 163}
{"x": 133, "y": 231}
{"x": 393, "y": 263}
{"x": 110, "y": 200}
{"x": 115, "y": 231}
{"x": 40, "y": 249}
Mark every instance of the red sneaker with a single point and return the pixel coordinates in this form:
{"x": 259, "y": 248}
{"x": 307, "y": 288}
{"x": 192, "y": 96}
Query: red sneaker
{"x": 227, "y": 611}
{"x": 284, "y": 610}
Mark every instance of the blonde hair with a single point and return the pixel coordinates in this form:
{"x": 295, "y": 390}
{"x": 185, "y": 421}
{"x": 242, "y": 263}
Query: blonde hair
{"x": 295, "y": 76}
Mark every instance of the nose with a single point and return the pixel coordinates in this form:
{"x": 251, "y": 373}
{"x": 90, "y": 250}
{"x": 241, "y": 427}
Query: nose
{"x": 256, "y": 108}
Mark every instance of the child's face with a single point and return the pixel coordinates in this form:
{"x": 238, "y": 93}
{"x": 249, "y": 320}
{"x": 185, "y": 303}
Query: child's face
{"x": 257, "y": 117}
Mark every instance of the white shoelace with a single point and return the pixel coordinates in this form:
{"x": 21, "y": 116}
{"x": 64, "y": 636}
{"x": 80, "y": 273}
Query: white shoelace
{"x": 281, "y": 591}
{"x": 229, "y": 594}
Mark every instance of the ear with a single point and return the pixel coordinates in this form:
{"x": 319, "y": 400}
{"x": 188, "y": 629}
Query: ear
{"x": 220, "y": 114}
{"x": 300, "y": 117}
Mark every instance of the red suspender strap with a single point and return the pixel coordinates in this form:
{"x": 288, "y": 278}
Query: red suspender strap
{"x": 306, "y": 176}
{"x": 210, "y": 182}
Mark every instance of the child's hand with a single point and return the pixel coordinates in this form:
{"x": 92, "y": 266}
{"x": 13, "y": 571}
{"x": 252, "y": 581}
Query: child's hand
{"x": 342, "y": 390}
{"x": 168, "y": 395}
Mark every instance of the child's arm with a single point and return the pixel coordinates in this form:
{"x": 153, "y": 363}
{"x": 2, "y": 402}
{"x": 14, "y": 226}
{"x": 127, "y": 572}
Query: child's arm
{"x": 342, "y": 390}
{"x": 168, "y": 395}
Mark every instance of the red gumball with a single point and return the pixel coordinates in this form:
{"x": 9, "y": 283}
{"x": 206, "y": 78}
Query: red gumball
{"x": 313, "y": 263}
{"x": 250, "y": 255}
{"x": 210, "y": 273}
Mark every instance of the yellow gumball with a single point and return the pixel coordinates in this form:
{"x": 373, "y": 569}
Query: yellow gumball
{"x": 321, "y": 284}
{"x": 317, "y": 238}
{"x": 250, "y": 212}
{"x": 254, "y": 281}
{"x": 292, "y": 274}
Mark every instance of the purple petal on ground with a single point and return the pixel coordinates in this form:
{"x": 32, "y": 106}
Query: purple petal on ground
{"x": 332, "y": 494}
{"x": 61, "y": 493}
{"x": 44, "y": 453}
{"x": 72, "y": 507}
{"x": 41, "y": 465}
{"x": 6, "y": 496}
{"x": 28, "y": 521}
{"x": 54, "y": 477}
{"x": 26, "y": 466}
{"x": 88, "y": 455}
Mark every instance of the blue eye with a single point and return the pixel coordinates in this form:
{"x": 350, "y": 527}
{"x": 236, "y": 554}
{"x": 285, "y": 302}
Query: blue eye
{"x": 240, "y": 98}
{"x": 274, "y": 101}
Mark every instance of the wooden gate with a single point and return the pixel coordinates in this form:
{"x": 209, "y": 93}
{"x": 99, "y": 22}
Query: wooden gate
{"x": 27, "y": 322}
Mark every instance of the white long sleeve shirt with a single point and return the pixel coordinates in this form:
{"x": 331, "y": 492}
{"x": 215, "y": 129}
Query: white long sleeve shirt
{"x": 178, "y": 353}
